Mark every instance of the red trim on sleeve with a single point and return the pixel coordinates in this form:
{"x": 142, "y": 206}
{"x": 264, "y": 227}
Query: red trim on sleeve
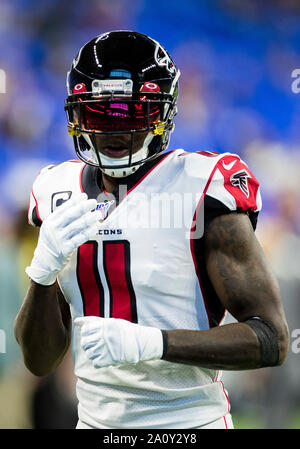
{"x": 37, "y": 207}
{"x": 80, "y": 178}
{"x": 208, "y": 153}
{"x": 28, "y": 208}
{"x": 192, "y": 247}
{"x": 225, "y": 422}
{"x": 226, "y": 395}
{"x": 203, "y": 153}
{"x": 239, "y": 182}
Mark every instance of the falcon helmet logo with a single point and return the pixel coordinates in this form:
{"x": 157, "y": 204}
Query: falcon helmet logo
{"x": 240, "y": 179}
{"x": 163, "y": 59}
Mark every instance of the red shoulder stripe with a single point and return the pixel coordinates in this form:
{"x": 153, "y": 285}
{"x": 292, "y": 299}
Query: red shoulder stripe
{"x": 239, "y": 182}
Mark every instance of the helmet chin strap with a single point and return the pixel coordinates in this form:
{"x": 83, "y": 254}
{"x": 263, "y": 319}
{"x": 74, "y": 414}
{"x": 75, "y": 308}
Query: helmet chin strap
{"x": 114, "y": 171}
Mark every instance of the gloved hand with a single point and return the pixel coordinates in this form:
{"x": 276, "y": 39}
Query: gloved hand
{"x": 68, "y": 227}
{"x": 111, "y": 341}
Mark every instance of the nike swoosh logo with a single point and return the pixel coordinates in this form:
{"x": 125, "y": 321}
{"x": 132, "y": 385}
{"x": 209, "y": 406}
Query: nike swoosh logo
{"x": 228, "y": 166}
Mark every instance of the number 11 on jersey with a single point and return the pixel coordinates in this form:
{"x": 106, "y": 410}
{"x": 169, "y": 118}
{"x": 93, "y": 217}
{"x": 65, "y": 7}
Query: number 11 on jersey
{"x": 116, "y": 265}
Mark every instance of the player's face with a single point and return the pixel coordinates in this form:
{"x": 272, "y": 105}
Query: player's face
{"x": 119, "y": 145}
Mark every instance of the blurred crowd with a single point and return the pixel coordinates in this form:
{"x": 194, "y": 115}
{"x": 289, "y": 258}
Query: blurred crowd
{"x": 236, "y": 59}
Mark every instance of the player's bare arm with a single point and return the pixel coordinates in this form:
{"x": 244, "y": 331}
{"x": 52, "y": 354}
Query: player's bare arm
{"x": 43, "y": 328}
{"x": 245, "y": 285}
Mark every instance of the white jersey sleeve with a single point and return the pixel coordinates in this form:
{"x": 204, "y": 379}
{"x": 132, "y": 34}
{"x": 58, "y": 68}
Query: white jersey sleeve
{"x": 227, "y": 182}
{"x": 33, "y": 207}
{"x": 54, "y": 185}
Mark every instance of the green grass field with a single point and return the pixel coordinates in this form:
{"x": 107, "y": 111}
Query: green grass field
{"x": 253, "y": 421}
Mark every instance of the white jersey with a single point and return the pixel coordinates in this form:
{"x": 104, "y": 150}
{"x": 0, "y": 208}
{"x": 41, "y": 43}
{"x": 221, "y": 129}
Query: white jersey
{"x": 146, "y": 265}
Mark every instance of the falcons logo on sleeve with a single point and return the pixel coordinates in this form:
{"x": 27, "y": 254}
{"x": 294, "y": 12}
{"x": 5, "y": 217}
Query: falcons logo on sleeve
{"x": 240, "y": 179}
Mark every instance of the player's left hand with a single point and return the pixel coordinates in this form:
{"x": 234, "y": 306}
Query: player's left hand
{"x": 111, "y": 341}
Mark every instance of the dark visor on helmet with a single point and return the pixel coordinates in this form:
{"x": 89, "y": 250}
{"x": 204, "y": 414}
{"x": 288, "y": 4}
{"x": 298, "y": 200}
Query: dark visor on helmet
{"x": 117, "y": 114}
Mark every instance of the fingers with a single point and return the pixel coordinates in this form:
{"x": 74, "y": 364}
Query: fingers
{"x": 84, "y": 223}
{"x": 69, "y": 203}
{"x": 90, "y": 330}
{"x": 92, "y": 320}
{"x": 73, "y": 209}
{"x": 92, "y": 341}
{"x": 72, "y": 224}
{"x": 80, "y": 321}
{"x": 80, "y": 238}
{"x": 76, "y": 221}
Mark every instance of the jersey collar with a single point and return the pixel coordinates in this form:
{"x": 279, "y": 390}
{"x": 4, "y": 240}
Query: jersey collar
{"x": 91, "y": 180}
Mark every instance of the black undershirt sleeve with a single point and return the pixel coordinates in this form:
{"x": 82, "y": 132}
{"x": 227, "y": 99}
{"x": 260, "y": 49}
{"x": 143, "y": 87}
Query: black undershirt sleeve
{"x": 35, "y": 218}
{"x": 213, "y": 208}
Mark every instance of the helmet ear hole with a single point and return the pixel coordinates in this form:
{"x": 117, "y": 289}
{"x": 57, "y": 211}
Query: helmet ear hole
{"x": 84, "y": 146}
{"x": 155, "y": 144}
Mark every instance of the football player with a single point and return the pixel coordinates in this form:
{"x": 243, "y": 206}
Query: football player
{"x": 142, "y": 251}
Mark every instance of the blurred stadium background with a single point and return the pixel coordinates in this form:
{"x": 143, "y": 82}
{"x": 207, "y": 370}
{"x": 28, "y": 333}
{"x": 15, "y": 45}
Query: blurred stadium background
{"x": 236, "y": 58}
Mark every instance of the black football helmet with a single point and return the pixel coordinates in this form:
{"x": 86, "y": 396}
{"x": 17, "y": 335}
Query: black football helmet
{"x": 121, "y": 82}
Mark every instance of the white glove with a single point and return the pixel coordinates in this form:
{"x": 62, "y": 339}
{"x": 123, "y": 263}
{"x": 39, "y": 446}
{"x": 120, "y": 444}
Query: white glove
{"x": 68, "y": 227}
{"x": 111, "y": 341}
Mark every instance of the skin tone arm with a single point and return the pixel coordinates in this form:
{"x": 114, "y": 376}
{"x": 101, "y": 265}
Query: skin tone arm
{"x": 43, "y": 328}
{"x": 241, "y": 276}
